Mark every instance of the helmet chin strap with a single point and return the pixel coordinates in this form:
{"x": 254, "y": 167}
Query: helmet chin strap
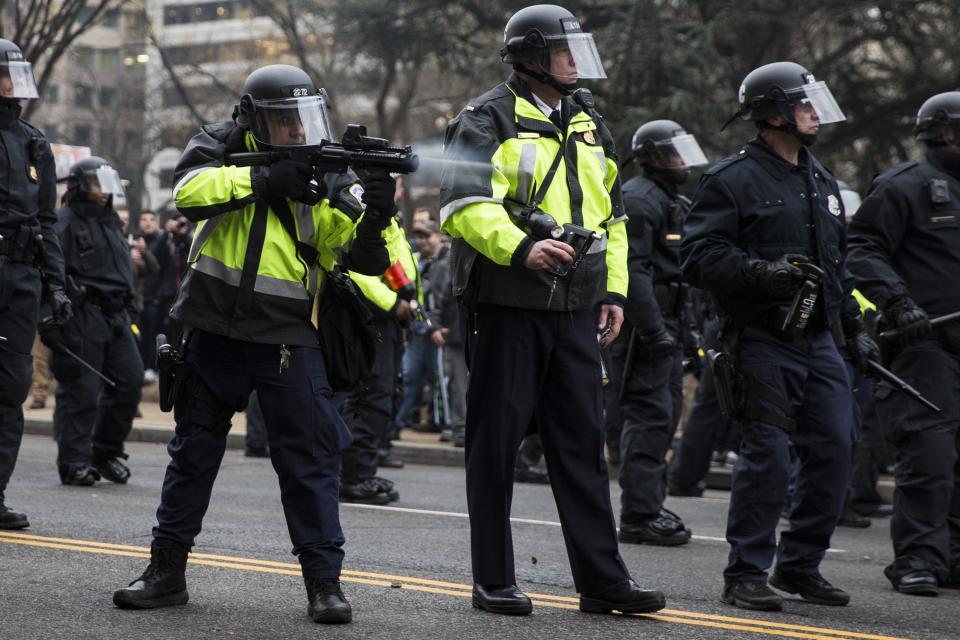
{"x": 545, "y": 78}
{"x": 806, "y": 139}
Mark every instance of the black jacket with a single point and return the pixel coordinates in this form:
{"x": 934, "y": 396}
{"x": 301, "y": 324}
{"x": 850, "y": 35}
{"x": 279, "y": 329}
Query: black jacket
{"x": 756, "y": 205}
{"x": 96, "y": 253}
{"x": 28, "y": 189}
{"x": 905, "y": 238}
{"x": 655, "y": 214}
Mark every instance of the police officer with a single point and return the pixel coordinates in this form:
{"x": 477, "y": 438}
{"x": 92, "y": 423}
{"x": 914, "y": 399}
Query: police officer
{"x": 31, "y": 264}
{"x": 533, "y": 333}
{"x": 905, "y": 254}
{"x": 649, "y": 358}
{"x": 91, "y": 423}
{"x": 246, "y": 301}
{"x": 756, "y": 216}
{"x": 369, "y": 408}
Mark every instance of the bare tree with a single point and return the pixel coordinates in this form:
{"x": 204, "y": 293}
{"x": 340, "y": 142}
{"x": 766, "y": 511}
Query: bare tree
{"x": 45, "y": 29}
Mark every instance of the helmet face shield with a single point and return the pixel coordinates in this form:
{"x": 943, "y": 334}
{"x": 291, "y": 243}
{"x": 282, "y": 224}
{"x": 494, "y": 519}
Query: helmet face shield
{"x": 683, "y": 150}
{"x": 817, "y": 97}
{"x": 16, "y": 80}
{"x": 108, "y": 179}
{"x": 291, "y": 122}
{"x": 573, "y": 57}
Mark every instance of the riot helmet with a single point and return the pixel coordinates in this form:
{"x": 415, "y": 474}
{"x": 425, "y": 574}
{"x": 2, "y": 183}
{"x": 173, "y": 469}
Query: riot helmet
{"x": 665, "y": 145}
{"x": 778, "y": 90}
{"x": 281, "y": 107}
{"x": 938, "y": 120}
{"x": 550, "y": 37}
{"x": 93, "y": 175}
{"x": 16, "y": 74}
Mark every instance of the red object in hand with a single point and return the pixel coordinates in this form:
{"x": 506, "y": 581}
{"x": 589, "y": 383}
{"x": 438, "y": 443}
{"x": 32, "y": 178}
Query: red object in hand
{"x": 398, "y": 281}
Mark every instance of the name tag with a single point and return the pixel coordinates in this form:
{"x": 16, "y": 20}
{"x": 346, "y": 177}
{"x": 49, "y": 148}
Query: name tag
{"x": 674, "y": 236}
{"x": 527, "y": 134}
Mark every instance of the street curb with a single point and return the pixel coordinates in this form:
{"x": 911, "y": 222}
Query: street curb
{"x": 412, "y": 452}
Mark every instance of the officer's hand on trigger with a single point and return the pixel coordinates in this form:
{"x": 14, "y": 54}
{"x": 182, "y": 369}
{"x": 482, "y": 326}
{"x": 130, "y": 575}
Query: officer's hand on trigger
{"x": 777, "y": 278}
{"x": 911, "y": 320}
{"x": 288, "y": 178}
{"x": 379, "y": 189}
{"x": 549, "y": 254}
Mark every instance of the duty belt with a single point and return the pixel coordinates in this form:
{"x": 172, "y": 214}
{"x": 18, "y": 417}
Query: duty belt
{"x": 107, "y": 304}
{"x": 24, "y": 244}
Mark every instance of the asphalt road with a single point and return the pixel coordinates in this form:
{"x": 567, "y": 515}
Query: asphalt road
{"x": 407, "y": 570}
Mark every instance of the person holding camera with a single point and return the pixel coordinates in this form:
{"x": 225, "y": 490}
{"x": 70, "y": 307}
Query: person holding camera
{"x": 537, "y": 304}
{"x": 249, "y": 304}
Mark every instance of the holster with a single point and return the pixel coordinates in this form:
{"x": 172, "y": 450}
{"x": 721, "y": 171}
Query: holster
{"x": 171, "y": 372}
{"x": 23, "y": 245}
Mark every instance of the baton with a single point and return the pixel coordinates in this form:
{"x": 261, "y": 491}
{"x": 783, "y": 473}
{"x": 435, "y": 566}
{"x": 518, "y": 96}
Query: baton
{"x": 901, "y": 384}
{"x": 895, "y": 333}
{"x": 89, "y": 366}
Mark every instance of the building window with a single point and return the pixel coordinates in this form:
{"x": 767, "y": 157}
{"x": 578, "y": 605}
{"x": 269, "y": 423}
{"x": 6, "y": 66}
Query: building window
{"x": 51, "y": 94}
{"x": 83, "y": 95}
{"x": 109, "y": 98}
{"x": 209, "y": 11}
{"x": 107, "y": 140}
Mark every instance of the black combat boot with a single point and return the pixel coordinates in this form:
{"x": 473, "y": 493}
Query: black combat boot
{"x": 10, "y": 519}
{"x": 326, "y": 602}
{"x": 163, "y": 584}
{"x": 665, "y": 530}
{"x": 368, "y": 491}
{"x": 111, "y": 467}
{"x": 78, "y": 474}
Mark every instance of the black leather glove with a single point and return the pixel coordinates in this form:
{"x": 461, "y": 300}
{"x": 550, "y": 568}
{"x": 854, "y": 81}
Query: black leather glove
{"x": 50, "y": 333}
{"x": 289, "y": 178}
{"x": 909, "y": 319}
{"x": 378, "y": 191}
{"x": 659, "y": 344}
{"x": 862, "y": 349}
{"x": 60, "y": 305}
{"x": 778, "y": 278}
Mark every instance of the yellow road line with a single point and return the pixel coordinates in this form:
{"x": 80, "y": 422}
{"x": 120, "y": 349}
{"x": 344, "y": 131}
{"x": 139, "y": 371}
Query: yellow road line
{"x": 440, "y": 587}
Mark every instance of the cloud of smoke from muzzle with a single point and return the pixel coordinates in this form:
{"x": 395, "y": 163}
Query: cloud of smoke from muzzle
{"x": 432, "y": 165}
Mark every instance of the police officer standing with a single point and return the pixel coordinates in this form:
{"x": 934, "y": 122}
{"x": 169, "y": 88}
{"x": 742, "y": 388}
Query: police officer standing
{"x": 649, "y": 360}
{"x": 369, "y": 408}
{"x": 533, "y": 332}
{"x": 91, "y": 423}
{"x": 905, "y": 255}
{"x": 766, "y": 223}
{"x": 31, "y": 264}
{"x": 247, "y": 302}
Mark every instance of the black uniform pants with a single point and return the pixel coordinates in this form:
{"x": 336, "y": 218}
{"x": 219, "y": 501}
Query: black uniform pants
{"x": 705, "y": 426}
{"x": 19, "y": 303}
{"x": 369, "y": 409}
{"x": 86, "y": 405}
{"x": 811, "y": 377}
{"x": 543, "y": 363}
{"x": 926, "y": 514}
{"x": 304, "y": 430}
{"x": 651, "y": 407}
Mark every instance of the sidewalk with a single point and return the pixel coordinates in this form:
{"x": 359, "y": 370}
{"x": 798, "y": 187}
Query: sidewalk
{"x": 157, "y": 426}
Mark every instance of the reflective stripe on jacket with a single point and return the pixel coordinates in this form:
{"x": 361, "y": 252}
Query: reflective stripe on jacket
{"x": 245, "y": 279}
{"x": 501, "y": 147}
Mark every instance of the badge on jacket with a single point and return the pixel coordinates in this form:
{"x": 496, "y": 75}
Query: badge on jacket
{"x": 588, "y": 137}
{"x": 833, "y": 204}
{"x": 32, "y": 172}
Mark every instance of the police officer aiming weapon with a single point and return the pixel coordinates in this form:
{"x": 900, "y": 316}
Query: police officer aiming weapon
{"x": 356, "y": 150}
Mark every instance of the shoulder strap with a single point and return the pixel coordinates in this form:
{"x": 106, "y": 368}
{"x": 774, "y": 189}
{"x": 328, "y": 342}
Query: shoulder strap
{"x": 547, "y": 179}
{"x": 306, "y": 252}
